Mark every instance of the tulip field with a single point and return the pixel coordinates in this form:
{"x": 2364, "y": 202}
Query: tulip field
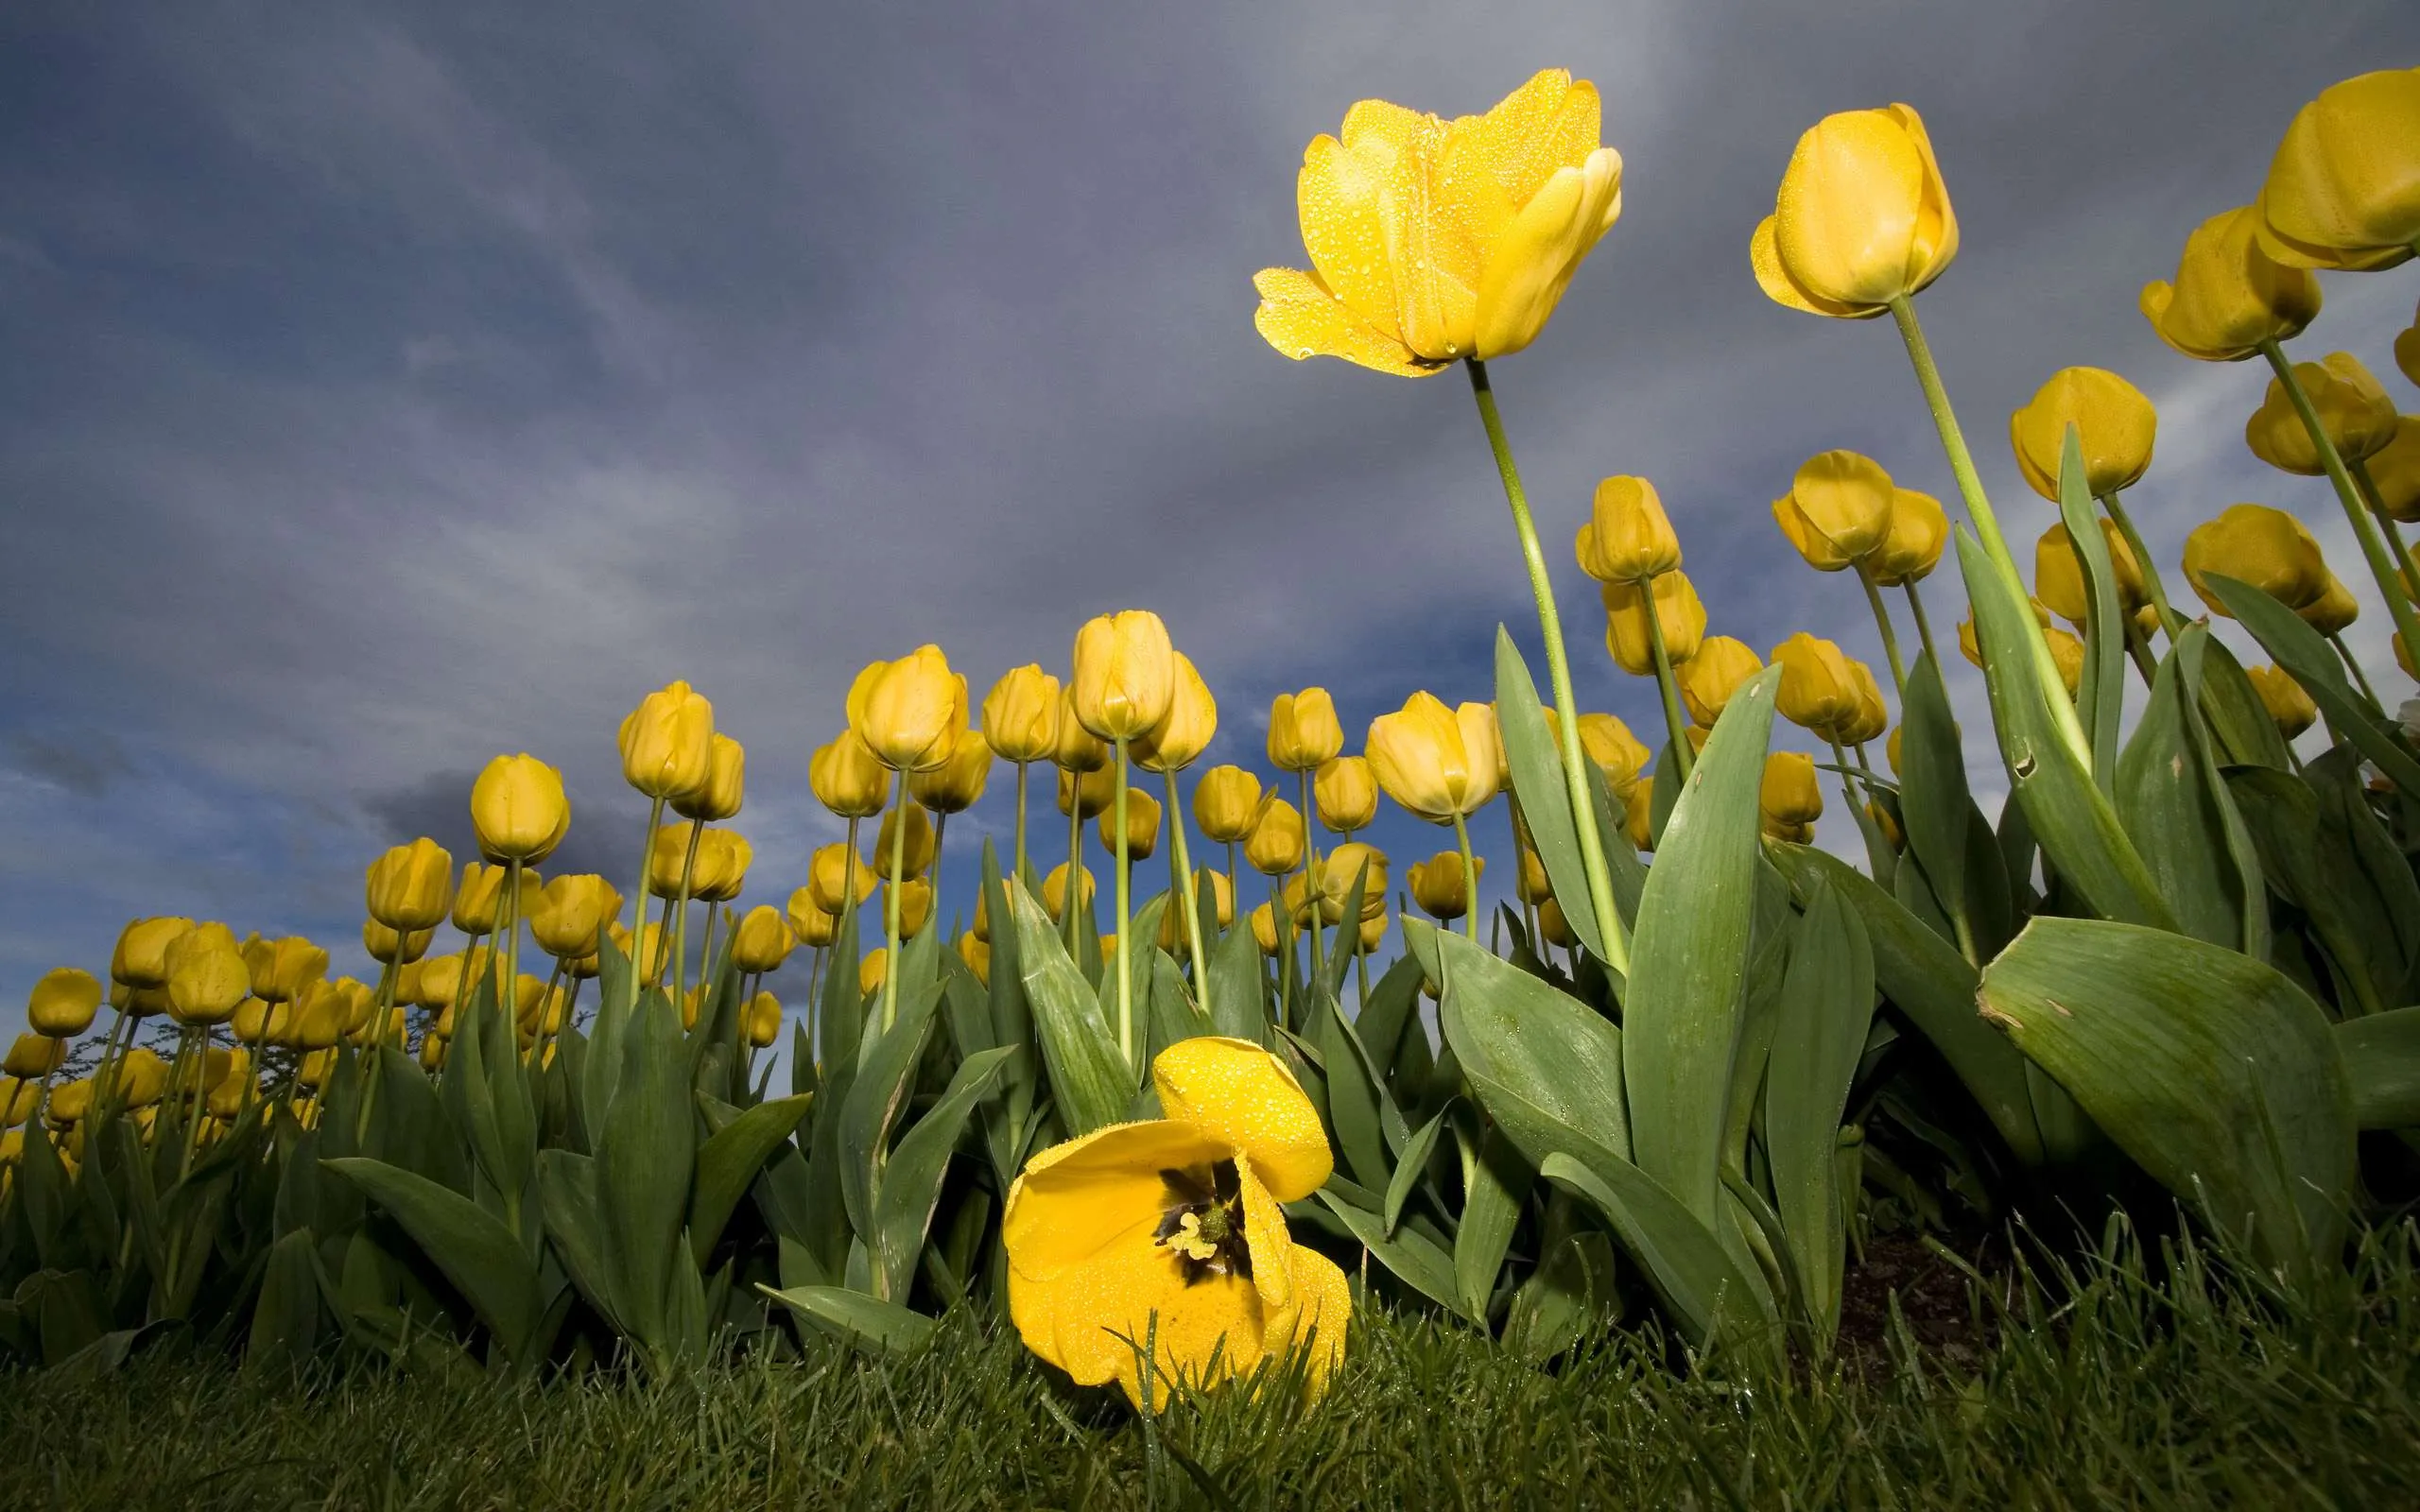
{"x": 1600, "y": 1170}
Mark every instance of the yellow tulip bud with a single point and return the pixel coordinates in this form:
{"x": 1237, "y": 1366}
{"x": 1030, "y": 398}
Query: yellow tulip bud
{"x": 1264, "y": 931}
{"x": 1910, "y": 552}
{"x": 518, "y": 809}
{"x": 432, "y": 1053}
{"x": 1721, "y": 667}
{"x": 1553, "y": 927}
{"x": 1088, "y": 795}
{"x": 479, "y": 899}
{"x": 1970, "y": 648}
{"x": 719, "y": 796}
{"x": 411, "y": 886}
{"x": 814, "y": 926}
{"x": 1021, "y": 714}
{"x": 1788, "y": 796}
{"x": 1818, "y": 690}
{"x": 1142, "y": 826}
{"x": 909, "y": 711}
{"x": 1678, "y": 614}
{"x": 34, "y": 1055}
{"x": 2403, "y": 656}
{"x": 2331, "y": 611}
{"x": 2115, "y": 425}
{"x": 2285, "y": 699}
{"x": 848, "y": 779}
{"x": 1178, "y": 740}
{"x": 1275, "y": 844}
{"x": 140, "y": 1078}
{"x": 1302, "y": 730}
{"x": 2265, "y": 547}
{"x": 668, "y": 742}
{"x": 1532, "y": 884}
{"x": 1222, "y": 893}
{"x": 1627, "y": 538}
{"x": 2229, "y": 296}
{"x": 1439, "y": 888}
{"x": 63, "y": 1002}
{"x": 319, "y": 1018}
{"x": 1437, "y": 240}
{"x": 839, "y": 881}
{"x": 1080, "y": 751}
{"x": 388, "y": 946}
{"x": 1871, "y": 717}
{"x": 1439, "y": 762}
{"x": 1345, "y": 792}
{"x": 2343, "y": 191}
{"x": 2353, "y": 409}
{"x": 713, "y": 874}
{"x": 2058, "y": 573}
{"x": 280, "y": 968}
{"x": 1227, "y": 803}
{"x": 1483, "y": 740}
{"x": 141, "y": 957}
{"x": 915, "y": 906}
{"x": 1125, "y": 673}
{"x": 764, "y": 1020}
{"x": 1054, "y": 891}
{"x": 70, "y": 1101}
{"x": 2068, "y": 652}
{"x": 1637, "y": 818}
{"x": 227, "y": 1095}
{"x": 761, "y": 941}
{"x": 1837, "y": 509}
{"x": 976, "y": 954}
{"x": 1617, "y": 753}
{"x": 2407, "y": 350}
{"x": 957, "y": 784}
{"x": 1862, "y": 217}
{"x": 1335, "y": 876}
{"x": 2395, "y": 469}
{"x": 722, "y": 866}
{"x": 570, "y": 914}
{"x": 649, "y": 950}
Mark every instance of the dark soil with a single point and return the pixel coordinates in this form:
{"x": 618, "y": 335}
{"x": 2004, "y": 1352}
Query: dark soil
{"x": 1937, "y": 1301}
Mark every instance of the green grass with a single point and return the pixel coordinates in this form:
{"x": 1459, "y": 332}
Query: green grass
{"x": 2094, "y": 1387}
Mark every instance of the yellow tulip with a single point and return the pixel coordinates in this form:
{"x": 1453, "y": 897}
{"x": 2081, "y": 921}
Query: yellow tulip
{"x": 1227, "y": 803}
{"x": 2407, "y": 350}
{"x": 1721, "y": 667}
{"x": 1171, "y": 1232}
{"x": 872, "y": 970}
{"x": 2229, "y": 296}
{"x": 719, "y": 796}
{"x": 63, "y": 1002}
{"x": 1636, "y": 818}
{"x": 2265, "y": 547}
{"x": 1910, "y": 550}
{"x": 1788, "y": 797}
{"x": 1617, "y": 753}
{"x": 909, "y": 711}
{"x": 1021, "y": 714}
{"x": 1345, "y": 792}
{"x": 667, "y": 740}
{"x": 1439, "y": 762}
{"x": 2394, "y": 470}
{"x": 141, "y": 957}
{"x": 411, "y": 886}
{"x": 70, "y": 1101}
{"x": 140, "y": 1078}
{"x": 2285, "y": 699}
{"x": 2333, "y": 610}
{"x": 764, "y": 1020}
{"x": 228, "y": 1094}
{"x": 2066, "y": 651}
{"x": 1080, "y": 751}
{"x": 2058, "y": 573}
{"x": 1086, "y": 795}
{"x": 2353, "y": 409}
{"x": 2343, "y": 191}
{"x": 1125, "y": 675}
{"x": 1439, "y": 888}
{"x": 1275, "y": 844}
{"x": 1334, "y": 879}
{"x": 722, "y": 866}
{"x": 1179, "y": 739}
{"x": 1431, "y": 241}
{"x": 479, "y": 895}
{"x": 1302, "y": 730}
{"x": 1871, "y": 716}
{"x": 518, "y": 809}
{"x": 1837, "y": 509}
{"x": 1862, "y": 217}
{"x": 915, "y": 906}
{"x": 280, "y": 968}
{"x": 1970, "y": 648}
{"x": 814, "y": 927}
{"x": 848, "y": 779}
{"x": 34, "y": 1055}
{"x": 2403, "y": 656}
{"x": 1818, "y": 690}
{"x": 1142, "y": 826}
{"x": 761, "y": 941}
{"x": 957, "y": 784}
{"x": 2115, "y": 425}
{"x": 1678, "y": 614}
{"x": 389, "y": 946}
{"x": 976, "y": 954}
{"x": 1223, "y": 892}
{"x": 570, "y": 912}
{"x": 1054, "y": 891}
{"x": 834, "y": 876}
{"x": 1553, "y": 927}
{"x": 1532, "y": 884}
{"x": 1264, "y": 931}
{"x": 1627, "y": 538}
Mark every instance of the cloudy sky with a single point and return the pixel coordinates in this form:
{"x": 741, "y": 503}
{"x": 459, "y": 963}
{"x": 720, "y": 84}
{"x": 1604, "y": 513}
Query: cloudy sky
{"x": 385, "y": 393}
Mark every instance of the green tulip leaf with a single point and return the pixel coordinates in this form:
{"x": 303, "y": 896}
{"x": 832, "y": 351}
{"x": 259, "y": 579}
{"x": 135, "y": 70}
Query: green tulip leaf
{"x": 1538, "y": 786}
{"x": 2101, "y": 690}
{"x": 729, "y": 1162}
{"x": 2303, "y": 654}
{"x": 1411, "y": 1256}
{"x": 1714, "y": 1300}
{"x": 1546, "y": 1067}
{"x": 1090, "y": 1078}
{"x": 912, "y": 1184}
{"x": 2382, "y": 1060}
{"x": 1826, "y": 1007}
{"x": 477, "y": 1254}
{"x": 856, "y": 1318}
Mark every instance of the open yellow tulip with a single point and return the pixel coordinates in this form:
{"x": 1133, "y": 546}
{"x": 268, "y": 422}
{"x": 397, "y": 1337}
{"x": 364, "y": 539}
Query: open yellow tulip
{"x": 1433, "y": 240}
{"x": 1168, "y": 1235}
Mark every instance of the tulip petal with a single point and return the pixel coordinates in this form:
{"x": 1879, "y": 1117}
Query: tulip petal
{"x": 1764, "y": 256}
{"x": 1237, "y": 1095}
{"x": 1302, "y": 318}
{"x": 1849, "y": 207}
{"x": 1936, "y": 239}
{"x": 2343, "y": 191}
{"x": 1323, "y": 1309}
{"x": 1077, "y": 1199}
{"x": 1337, "y": 198}
{"x": 1532, "y": 261}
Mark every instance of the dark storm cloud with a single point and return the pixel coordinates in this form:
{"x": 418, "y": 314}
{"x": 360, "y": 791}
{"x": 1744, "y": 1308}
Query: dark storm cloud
{"x": 386, "y": 390}
{"x": 84, "y": 764}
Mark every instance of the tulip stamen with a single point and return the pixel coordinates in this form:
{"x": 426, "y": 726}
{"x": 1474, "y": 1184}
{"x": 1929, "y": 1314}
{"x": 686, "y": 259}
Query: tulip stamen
{"x": 1202, "y": 1224}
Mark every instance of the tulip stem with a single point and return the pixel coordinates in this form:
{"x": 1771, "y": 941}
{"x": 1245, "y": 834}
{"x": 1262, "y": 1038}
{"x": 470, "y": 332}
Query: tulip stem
{"x": 941, "y": 832}
{"x": 2354, "y": 667}
{"x": 1075, "y": 863}
{"x": 1924, "y": 626}
{"x": 638, "y": 907}
{"x": 101, "y": 1073}
{"x": 2168, "y": 619}
{"x": 1675, "y": 725}
{"x": 1470, "y": 878}
{"x": 681, "y": 914}
{"x": 2139, "y": 646}
{"x": 890, "y": 916}
{"x": 2364, "y": 529}
{"x": 1124, "y": 977}
{"x": 1019, "y": 871}
{"x": 509, "y": 909}
{"x": 2368, "y": 485}
{"x": 1311, "y": 884}
{"x": 1882, "y": 623}
{"x": 1575, "y": 778}
{"x": 1181, "y": 872}
{"x": 1987, "y": 524}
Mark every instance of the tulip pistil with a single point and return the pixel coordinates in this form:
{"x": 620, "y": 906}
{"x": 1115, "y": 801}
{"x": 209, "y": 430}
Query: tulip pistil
{"x": 1202, "y": 1224}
